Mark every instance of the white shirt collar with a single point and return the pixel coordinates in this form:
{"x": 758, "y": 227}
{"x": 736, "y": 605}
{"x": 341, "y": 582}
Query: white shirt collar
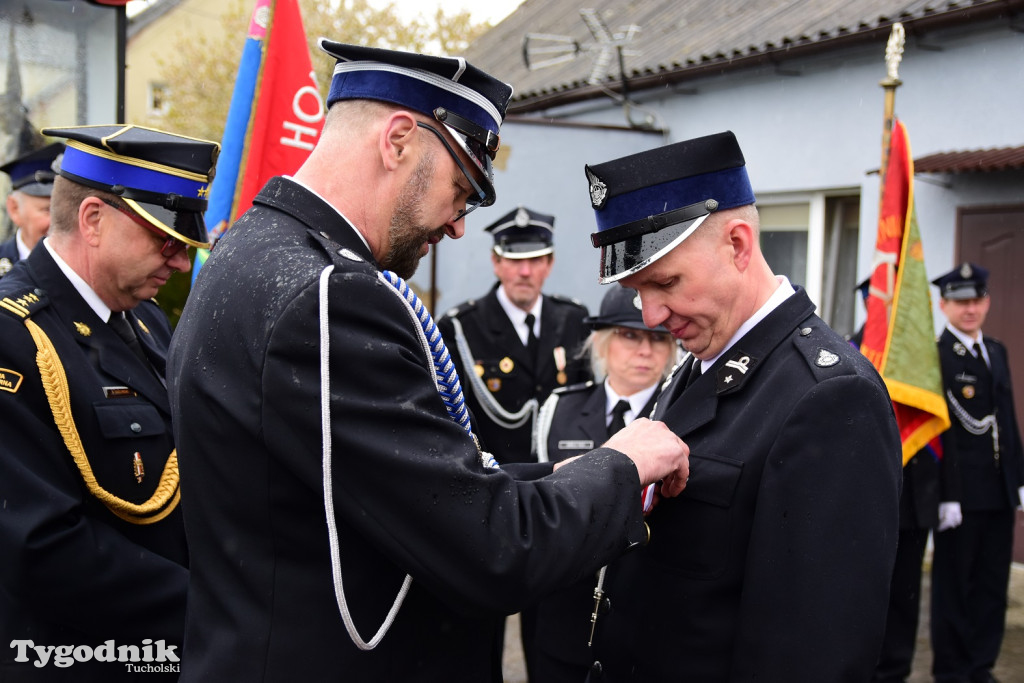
{"x": 636, "y": 402}
{"x": 781, "y": 293}
{"x": 969, "y": 341}
{"x": 80, "y": 285}
{"x": 23, "y": 250}
{"x": 518, "y": 315}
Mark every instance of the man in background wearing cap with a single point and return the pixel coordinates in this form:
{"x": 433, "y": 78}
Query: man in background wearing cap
{"x": 28, "y": 204}
{"x": 515, "y": 345}
{"x": 774, "y": 562}
{"x": 342, "y": 520}
{"x": 980, "y": 486}
{"x": 91, "y": 532}
{"x": 629, "y": 361}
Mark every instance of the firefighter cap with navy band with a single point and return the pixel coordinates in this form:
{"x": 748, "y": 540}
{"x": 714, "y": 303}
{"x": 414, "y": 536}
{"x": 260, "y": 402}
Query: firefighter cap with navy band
{"x": 164, "y": 177}
{"x": 467, "y": 101}
{"x": 648, "y": 203}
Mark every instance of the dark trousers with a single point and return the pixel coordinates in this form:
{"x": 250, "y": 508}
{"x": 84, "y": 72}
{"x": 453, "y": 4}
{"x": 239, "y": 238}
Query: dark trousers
{"x": 970, "y": 580}
{"x": 897, "y": 657}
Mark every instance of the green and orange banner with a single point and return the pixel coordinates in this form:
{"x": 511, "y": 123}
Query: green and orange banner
{"x": 899, "y": 333}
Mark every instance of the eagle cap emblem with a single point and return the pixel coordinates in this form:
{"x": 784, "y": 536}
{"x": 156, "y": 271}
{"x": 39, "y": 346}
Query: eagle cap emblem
{"x": 598, "y": 190}
{"x": 522, "y": 218}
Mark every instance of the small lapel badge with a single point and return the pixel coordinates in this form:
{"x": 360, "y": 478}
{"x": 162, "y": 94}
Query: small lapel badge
{"x": 479, "y": 370}
{"x": 968, "y": 391}
{"x": 506, "y": 365}
{"x": 826, "y": 359}
{"x": 5, "y": 265}
{"x": 142, "y": 325}
{"x": 83, "y": 329}
{"x": 494, "y": 384}
{"x": 350, "y": 255}
{"x": 137, "y": 467}
{"x": 959, "y": 349}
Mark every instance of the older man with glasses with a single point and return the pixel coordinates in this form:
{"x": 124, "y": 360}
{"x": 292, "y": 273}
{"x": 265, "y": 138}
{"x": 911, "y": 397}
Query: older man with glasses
{"x": 91, "y": 531}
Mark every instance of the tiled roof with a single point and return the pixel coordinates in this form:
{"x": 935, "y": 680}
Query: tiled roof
{"x": 1001, "y": 159}
{"x": 683, "y": 38}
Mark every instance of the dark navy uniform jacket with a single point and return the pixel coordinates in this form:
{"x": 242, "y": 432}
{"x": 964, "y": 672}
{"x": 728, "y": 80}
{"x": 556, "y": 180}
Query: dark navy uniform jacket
{"x": 980, "y": 481}
{"x": 74, "y": 573}
{"x": 407, "y": 489}
{"x": 576, "y": 426}
{"x": 507, "y": 373}
{"x": 774, "y": 563}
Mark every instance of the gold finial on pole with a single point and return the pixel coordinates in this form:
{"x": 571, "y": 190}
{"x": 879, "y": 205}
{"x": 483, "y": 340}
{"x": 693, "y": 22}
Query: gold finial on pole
{"x": 893, "y": 57}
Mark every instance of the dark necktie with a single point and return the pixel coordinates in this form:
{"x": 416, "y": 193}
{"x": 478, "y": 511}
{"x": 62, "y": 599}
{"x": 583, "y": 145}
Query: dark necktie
{"x": 124, "y": 330}
{"x": 694, "y": 373}
{"x": 532, "y": 343}
{"x": 618, "y": 416}
{"x": 980, "y": 356}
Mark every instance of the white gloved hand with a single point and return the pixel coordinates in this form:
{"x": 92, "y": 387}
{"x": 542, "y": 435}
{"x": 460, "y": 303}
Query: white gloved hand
{"x": 1020, "y": 498}
{"x": 950, "y": 516}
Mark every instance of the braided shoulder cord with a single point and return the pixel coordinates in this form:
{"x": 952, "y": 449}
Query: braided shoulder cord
{"x": 494, "y": 410}
{"x": 972, "y": 424}
{"x": 446, "y": 377}
{"x": 55, "y": 385}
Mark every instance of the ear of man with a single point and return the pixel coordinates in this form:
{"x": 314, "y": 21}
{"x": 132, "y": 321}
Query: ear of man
{"x": 90, "y": 224}
{"x": 398, "y": 136}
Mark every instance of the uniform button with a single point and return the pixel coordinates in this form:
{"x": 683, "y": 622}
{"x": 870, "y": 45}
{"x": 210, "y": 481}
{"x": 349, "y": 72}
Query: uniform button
{"x": 135, "y": 427}
{"x": 804, "y": 332}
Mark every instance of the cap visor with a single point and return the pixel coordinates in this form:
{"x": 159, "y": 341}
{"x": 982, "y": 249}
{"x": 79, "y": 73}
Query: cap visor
{"x": 186, "y": 226}
{"x": 621, "y": 259}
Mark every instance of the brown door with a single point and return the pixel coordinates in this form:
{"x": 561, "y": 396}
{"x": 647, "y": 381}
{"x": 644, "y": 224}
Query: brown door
{"x": 993, "y": 237}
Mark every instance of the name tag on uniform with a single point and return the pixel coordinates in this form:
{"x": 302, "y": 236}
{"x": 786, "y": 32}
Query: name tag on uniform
{"x": 119, "y": 392}
{"x": 569, "y": 445}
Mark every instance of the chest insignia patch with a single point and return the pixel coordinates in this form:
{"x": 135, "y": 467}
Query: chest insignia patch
{"x": 10, "y": 381}
{"x": 826, "y": 359}
{"x": 83, "y": 329}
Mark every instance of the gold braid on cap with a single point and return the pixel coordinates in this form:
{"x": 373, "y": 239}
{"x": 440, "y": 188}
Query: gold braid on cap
{"x": 55, "y": 384}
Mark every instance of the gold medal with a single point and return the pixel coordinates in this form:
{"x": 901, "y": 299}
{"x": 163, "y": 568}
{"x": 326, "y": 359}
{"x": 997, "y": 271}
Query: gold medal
{"x": 505, "y": 365}
{"x": 559, "y": 355}
{"x": 562, "y": 379}
{"x": 968, "y": 391}
{"x": 83, "y": 329}
{"x": 494, "y": 384}
{"x": 479, "y": 370}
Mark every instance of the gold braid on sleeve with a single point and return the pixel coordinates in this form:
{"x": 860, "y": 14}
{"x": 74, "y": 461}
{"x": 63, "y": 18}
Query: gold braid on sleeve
{"x": 55, "y": 384}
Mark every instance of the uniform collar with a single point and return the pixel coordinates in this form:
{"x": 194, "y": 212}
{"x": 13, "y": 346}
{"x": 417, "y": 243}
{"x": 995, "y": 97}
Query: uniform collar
{"x": 636, "y": 402}
{"x": 81, "y": 286}
{"x": 23, "y": 250}
{"x": 518, "y": 315}
{"x": 781, "y": 293}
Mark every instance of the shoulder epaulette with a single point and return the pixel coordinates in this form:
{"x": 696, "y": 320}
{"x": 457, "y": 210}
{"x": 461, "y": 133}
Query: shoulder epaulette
{"x": 24, "y": 304}
{"x": 341, "y": 257}
{"x": 573, "y": 388}
{"x": 464, "y": 307}
{"x": 569, "y": 300}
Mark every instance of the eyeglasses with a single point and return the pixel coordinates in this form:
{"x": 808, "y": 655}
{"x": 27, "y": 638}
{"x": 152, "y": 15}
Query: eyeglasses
{"x": 472, "y": 202}
{"x": 172, "y": 246}
{"x": 634, "y": 338}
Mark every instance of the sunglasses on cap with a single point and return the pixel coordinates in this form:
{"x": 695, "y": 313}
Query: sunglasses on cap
{"x": 172, "y": 246}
